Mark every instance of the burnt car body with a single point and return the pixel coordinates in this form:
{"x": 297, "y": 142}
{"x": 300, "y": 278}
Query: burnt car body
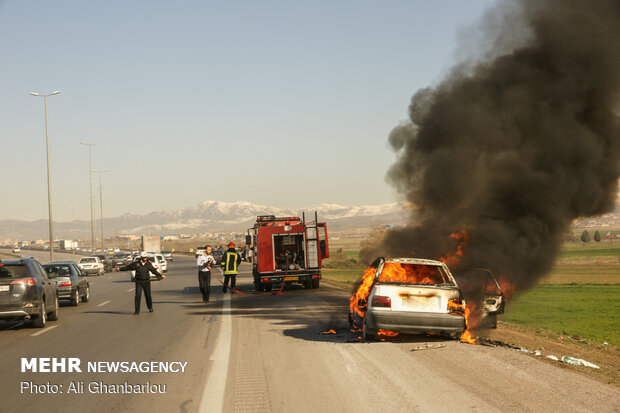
{"x": 411, "y": 295}
{"x": 70, "y": 281}
{"x": 26, "y": 292}
{"x": 480, "y": 286}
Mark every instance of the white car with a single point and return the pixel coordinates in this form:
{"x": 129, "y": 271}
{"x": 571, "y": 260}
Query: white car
{"x": 91, "y": 265}
{"x": 16, "y": 250}
{"x": 162, "y": 262}
{"x": 413, "y": 296}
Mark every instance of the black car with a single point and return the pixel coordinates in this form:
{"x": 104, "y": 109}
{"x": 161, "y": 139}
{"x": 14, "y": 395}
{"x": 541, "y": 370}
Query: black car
{"x": 121, "y": 259}
{"x": 26, "y": 292}
{"x": 108, "y": 262}
{"x": 70, "y": 281}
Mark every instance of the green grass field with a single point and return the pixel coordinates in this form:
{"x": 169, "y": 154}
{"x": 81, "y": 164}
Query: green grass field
{"x": 587, "y": 310}
{"x": 581, "y": 295}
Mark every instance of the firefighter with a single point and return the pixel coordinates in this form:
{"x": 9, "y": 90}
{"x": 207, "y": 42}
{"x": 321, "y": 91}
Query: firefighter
{"x": 143, "y": 268}
{"x": 230, "y": 262}
{"x": 204, "y": 263}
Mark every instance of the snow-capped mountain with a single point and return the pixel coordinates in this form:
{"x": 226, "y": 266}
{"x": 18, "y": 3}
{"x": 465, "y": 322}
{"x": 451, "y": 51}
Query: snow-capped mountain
{"x": 211, "y": 216}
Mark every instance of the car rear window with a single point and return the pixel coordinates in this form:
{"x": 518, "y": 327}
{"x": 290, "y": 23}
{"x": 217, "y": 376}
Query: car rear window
{"x": 87, "y": 260}
{"x": 13, "y": 271}
{"x": 58, "y": 270}
{"x": 404, "y": 273}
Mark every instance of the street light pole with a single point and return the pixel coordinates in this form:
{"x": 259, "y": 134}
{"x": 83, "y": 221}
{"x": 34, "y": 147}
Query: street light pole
{"x": 92, "y": 207}
{"x": 49, "y": 181}
{"x": 101, "y": 171}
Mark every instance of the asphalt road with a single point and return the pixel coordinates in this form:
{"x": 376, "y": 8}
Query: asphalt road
{"x": 260, "y": 353}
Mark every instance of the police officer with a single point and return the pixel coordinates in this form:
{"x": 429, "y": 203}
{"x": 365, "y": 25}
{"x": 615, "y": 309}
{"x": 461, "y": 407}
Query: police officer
{"x": 230, "y": 261}
{"x": 143, "y": 268}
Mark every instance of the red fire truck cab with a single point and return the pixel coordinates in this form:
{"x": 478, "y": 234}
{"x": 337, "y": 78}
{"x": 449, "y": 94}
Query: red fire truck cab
{"x": 287, "y": 249}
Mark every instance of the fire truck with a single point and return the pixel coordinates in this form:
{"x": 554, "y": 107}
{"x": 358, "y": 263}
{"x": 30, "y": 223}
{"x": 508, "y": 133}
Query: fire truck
{"x": 287, "y": 250}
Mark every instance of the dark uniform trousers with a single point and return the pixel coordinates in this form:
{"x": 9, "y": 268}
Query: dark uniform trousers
{"x": 146, "y": 286}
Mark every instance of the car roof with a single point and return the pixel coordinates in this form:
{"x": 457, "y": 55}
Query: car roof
{"x": 420, "y": 261}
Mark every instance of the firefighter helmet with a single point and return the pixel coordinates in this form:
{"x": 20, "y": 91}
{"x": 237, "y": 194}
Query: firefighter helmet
{"x": 231, "y": 245}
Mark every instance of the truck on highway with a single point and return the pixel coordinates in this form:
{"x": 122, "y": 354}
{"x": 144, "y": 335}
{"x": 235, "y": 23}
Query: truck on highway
{"x": 287, "y": 250}
{"x": 151, "y": 243}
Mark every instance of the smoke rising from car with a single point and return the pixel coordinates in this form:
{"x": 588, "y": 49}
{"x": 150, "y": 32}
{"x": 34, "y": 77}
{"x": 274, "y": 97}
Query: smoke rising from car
{"x": 513, "y": 146}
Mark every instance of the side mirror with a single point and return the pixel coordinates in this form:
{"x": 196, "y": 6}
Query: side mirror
{"x": 248, "y": 240}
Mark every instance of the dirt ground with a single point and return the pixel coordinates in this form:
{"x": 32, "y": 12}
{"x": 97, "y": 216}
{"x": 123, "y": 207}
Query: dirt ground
{"x": 606, "y": 356}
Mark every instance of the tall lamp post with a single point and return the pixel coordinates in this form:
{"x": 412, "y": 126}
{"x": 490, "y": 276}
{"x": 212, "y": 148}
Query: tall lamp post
{"x": 92, "y": 207}
{"x": 49, "y": 181}
{"x": 101, "y": 171}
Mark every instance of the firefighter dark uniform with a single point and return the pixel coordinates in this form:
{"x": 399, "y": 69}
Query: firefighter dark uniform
{"x": 143, "y": 268}
{"x": 230, "y": 262}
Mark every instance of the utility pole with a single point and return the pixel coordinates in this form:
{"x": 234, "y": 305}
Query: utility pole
{"x": 101, "y": 171}
{"x": 92, "y": 207}
{"x": 49, "y": 180}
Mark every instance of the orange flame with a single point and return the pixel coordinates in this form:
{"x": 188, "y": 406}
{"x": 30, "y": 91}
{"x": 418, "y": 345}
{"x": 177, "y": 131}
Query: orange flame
{"x": 452, "y": 259}
{"x": 358, "y": 300}
{"x": 386, "y": 333}
{"x": 507, "y": 288}
{"x": 330, "y": 331}
{"x": 471, "y": 322}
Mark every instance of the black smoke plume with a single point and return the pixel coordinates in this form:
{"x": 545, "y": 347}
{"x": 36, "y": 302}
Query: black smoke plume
{"x": 514, "y": 147}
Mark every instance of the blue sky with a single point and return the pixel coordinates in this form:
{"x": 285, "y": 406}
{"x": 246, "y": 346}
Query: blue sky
{"x": 284, "y": 103}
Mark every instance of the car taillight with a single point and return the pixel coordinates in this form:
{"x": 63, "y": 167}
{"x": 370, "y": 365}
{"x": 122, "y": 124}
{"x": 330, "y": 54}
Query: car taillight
{"x": 381, "y": 301}
{"x": 66, "y": 284}
{"x": 25, "y": 281}
{"x": 96, "y": 266}
{"x": 456, "y": 306}
{"x": 266, "y": 280}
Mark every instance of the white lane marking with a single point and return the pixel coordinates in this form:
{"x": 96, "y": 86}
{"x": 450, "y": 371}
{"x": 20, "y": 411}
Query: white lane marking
{"x": 43, "y": 331}
{"x": 109, "y": 278}
{"x": 130, "y": 290}
{"x": 213, "y": 394}
{"x": 103, "y": 303}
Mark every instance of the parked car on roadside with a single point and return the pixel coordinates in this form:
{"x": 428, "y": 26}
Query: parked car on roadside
{"x": 26, "y": 292}
{"x": 16, "y": 250}
{"x": 91, "y": 265}
{"x": 70, "y": 281}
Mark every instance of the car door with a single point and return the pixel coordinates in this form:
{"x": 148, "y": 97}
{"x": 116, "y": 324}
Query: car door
{"x": 49, "y": 287}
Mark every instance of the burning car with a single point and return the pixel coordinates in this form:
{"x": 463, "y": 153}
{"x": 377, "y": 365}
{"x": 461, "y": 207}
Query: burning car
{"x": 412, "y": 295}
{"x": 408, "y": 295}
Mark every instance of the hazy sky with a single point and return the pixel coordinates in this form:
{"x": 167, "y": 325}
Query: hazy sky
{"x": 284, "y": 103}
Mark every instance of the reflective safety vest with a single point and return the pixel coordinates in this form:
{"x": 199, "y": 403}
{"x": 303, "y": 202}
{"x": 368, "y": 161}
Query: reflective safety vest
{"x": 230, "y": 262}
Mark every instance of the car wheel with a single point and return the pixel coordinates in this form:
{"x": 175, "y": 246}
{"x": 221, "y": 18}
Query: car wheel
{"x": 268, "y": 287}
{"x": 86, "y": 296}
{"x": 308, "y": 284}
{"x": 75, "y": 297}
{"x": 54, "y": 314}
{"x": 39, "y": 322}
{"x": 315, "y": 283}
{"x": 367, "y": 334}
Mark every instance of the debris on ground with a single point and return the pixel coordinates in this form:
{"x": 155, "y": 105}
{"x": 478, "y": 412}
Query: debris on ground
{"x": 578, "y": 362}
{"x": 427, "y": 346}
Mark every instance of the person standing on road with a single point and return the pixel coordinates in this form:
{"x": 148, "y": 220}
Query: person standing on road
{"x": 230, "y": 262}
{"x": 143, "y": 268}
{"x": 204, "y": 263}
